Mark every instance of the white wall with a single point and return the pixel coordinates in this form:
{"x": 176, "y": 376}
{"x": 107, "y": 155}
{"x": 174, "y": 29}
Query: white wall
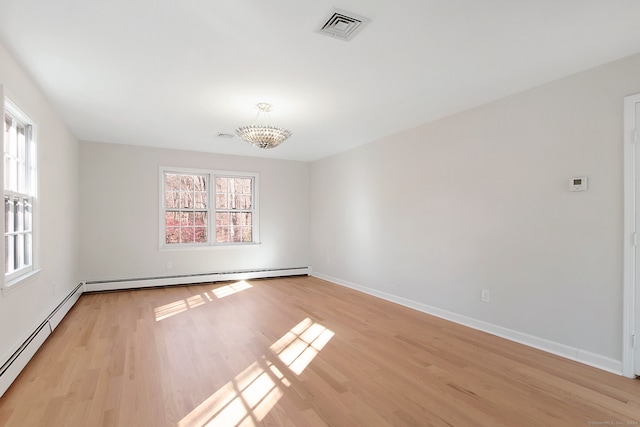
{"x": 480, "y": 200}
{"x": 119, "y": 214}
{"x": 25, "y": 307}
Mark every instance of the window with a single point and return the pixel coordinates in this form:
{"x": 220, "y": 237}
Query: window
{"x": 207, "y": 208}
{"x": 234, "y": 209}
{"x": 186, "y": 202}
{"x": 19, "y": 193}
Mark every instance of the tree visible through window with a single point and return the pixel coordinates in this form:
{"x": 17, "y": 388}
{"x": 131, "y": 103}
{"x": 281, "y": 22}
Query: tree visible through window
{"x": 187, "y": 208}
{"x": 234, "y": 209}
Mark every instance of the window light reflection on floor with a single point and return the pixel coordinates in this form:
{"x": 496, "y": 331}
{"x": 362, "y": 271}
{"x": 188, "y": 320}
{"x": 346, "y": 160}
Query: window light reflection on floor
{"x": 169, "y": 310}
{"x": 299, "y": 347}
{"x": 180, "y": 306}
{"x": 225, "y": 291}
{"x": 245, "y": 400}
{"x": 252, "y": 394}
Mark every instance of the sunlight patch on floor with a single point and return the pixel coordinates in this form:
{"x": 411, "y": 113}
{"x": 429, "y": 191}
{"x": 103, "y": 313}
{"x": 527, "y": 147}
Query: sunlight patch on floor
{"x": 225, "y": 291}
{"x": 300, "y": 346}
{"x": 170, "y": 310}
{"x": 180, "y": 306}
{"x": 252, "y": 394}
{"x": 245, "y": 400}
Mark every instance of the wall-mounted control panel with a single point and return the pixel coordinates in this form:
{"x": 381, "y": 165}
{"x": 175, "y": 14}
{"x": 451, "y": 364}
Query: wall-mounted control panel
{"x": 578, "y": 183}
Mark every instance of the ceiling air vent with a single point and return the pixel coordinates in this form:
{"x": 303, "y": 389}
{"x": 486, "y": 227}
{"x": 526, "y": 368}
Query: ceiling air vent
{"x": 343, "y": 25}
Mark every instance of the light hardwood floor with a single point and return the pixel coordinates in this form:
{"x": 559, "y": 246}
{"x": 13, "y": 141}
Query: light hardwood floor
{"x": 295, "y": 352}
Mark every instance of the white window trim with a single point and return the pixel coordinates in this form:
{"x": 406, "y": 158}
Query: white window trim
{"x": 12, "y": 280}
{"x": 211, "y": 231}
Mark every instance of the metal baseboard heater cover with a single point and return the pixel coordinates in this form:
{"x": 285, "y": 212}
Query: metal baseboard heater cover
{"x": 147, "y": 282}
{"x": 15, "y": 363}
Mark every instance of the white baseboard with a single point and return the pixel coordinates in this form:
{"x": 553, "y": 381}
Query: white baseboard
{"x": 18, "y": 359}
{"x": 568, "y": 352}
{"x": 16, "y": 366}
{"x": 114, "y": 285}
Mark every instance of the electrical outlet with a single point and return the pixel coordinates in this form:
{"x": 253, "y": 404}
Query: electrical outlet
{"x": 169, "y": 265}
{"x": 485, "y": 295}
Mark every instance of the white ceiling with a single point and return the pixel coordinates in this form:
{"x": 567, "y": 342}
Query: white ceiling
{"x": 169, "y": 73}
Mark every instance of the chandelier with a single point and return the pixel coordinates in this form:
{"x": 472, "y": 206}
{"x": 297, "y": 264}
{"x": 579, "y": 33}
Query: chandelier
{"x": 263, "y": 135}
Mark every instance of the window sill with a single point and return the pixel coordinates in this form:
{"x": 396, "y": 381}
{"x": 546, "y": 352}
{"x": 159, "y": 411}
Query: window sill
{"x": 13, "y": 284}
{"x": 205, "y": 247}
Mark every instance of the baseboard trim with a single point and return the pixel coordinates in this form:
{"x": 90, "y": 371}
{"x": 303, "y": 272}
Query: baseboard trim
{"x": 595, "y": 360}
{"x": 16, "y": 362}
{"x": 146, "y": 282}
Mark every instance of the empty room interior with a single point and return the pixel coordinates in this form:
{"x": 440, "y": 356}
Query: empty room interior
{"x": 281, "y": 213}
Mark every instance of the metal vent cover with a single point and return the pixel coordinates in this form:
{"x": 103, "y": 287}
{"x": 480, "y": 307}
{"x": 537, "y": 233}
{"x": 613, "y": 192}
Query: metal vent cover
{"x": 343, "y": 25}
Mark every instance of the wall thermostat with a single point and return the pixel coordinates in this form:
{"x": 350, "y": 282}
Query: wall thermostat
{"x": 578, "y": 183}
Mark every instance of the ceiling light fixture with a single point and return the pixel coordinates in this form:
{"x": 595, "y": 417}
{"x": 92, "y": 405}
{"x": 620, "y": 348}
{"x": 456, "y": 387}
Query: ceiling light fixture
{"x": 263, "y": 135}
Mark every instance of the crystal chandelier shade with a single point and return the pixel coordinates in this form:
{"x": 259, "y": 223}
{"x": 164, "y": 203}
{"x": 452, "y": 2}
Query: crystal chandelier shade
{"x": 263, "y": 136}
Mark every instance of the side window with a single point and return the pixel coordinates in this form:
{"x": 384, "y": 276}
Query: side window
{"x": 20, "y": 177}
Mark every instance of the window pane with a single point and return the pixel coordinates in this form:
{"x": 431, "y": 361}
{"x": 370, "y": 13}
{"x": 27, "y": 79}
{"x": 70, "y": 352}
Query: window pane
{"x": 186, "y": 218}
{"x": 28, "y": 249}
{"x": 172, "y": 199}
{"x": 200, "y": 200}
{"x": 13, "y": 140}
{"x": 200, "y": 183}
{"x": 234, "y": 218}
{"x": 9, "y": 258}
{"x": 245, "y": 202}
{"x": 7, "y": 166}
{"x": 187, "y": 235}
{"x": 186, "y": 200}
{"x": 240, "y": 218}
{"x": 28, "y": 215}
{"x": 200, "y": 218}
{"x": 172, "y": 235}
{"x": 18, "y": 213}
{"x": 8, "y": 217}
{"x": 186, "y": 183}
{"x": 237, "y": 234}
{"x": 201, "y": 235}
{"x": 222, "y": 219}
{"x": 19, "y": 145}
{"x": 246, "y": 234}
{"x": 172, "y": 219}
{"x": 221, "y": 201}
{"x": 222, "y": 185}
{"x": 222, "y": 234}
{"x": 21, "y": 178}
{"x": 10, "y": 173}
{"x": 171, "y": 182}
{"x": 19, "y": 250}
{"x": 245, "y": 186}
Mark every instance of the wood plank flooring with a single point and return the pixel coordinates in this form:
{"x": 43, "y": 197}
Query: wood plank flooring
{"x": 295, "y": 352}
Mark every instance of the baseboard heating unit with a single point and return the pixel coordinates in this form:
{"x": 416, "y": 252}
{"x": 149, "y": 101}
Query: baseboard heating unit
{"x": 19, "y": 359}
{"x": 146, "y": 282}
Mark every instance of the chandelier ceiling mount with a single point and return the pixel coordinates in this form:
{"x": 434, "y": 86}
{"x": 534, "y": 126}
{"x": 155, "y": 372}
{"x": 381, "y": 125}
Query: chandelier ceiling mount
{"x": 263, "y": 135}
